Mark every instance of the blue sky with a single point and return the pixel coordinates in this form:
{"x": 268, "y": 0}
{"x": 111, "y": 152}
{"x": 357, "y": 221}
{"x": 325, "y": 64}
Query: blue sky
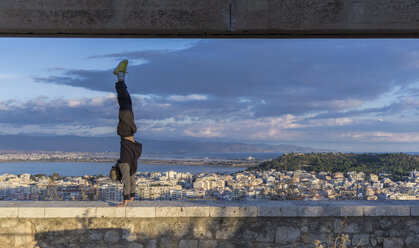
{"x": 349, "y": 95}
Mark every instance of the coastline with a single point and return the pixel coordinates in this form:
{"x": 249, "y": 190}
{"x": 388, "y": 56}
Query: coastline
{"x": 189, "y": 162}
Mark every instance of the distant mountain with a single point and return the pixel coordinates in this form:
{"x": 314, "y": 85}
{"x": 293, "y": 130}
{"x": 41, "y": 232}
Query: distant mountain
{"x": 111, "y": 144}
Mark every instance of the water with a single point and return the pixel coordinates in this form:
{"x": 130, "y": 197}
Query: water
{"x": 227, "y": 156}
{"x": 81, "y": 169}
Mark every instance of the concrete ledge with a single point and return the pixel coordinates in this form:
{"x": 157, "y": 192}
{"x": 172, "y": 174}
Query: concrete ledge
{"x": 174, "y": 209}
{"x": 210, "y": 18}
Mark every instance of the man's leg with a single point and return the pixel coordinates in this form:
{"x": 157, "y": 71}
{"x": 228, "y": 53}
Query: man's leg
{"x": 126, "y": 181}
{"x": 132, "y": 188}
{"x": 126, "y": 126}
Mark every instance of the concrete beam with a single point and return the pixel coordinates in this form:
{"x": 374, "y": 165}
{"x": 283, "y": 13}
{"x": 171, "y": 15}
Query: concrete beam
{"x": 213, "y": 209}
{"x": 209, "y": 18}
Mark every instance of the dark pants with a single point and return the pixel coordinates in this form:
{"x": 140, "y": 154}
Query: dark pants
{"x": 126, "y": 125}
{"x": 127, "y": 180}
{"x": 126, "y": 128}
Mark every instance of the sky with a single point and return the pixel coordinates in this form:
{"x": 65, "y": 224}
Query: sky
{"x": 357, "y": 95}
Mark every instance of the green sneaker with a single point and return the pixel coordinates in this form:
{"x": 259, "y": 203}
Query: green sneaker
{"x": 121, "y": 67}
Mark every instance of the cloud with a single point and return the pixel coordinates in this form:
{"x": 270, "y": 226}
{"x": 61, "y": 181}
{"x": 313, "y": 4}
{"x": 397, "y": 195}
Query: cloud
{"x": 289, "y": 76}
{"x": 51, "y": 129}
{"x": 192, "y": 97}
{"x": 43, "y": 110}
{"x": 249, "y": 90}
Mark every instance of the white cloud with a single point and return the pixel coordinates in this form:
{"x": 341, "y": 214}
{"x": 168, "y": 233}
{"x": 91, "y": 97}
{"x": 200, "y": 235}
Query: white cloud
{"x": 330, "y": 122}
{"x": 336, "y": 104}
{"x": 8, "y": 76}
{"x": 208, "y": 132}
{"x": 78, "y": 130}
{"x": 192, "y": 97}
{"x": 382, "y": 137}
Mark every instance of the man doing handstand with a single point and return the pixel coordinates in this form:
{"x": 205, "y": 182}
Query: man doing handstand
{"x": 130, "y": 149}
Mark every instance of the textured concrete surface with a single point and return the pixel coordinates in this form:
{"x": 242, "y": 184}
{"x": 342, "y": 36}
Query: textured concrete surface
{"x": 178, "y": 232}
{"x": 210, "y": 18}
{"x": 214, "y": 224}
{"x": 167, "y": 209}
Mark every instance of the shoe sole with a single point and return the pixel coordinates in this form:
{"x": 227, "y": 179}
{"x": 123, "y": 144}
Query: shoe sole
{"x": 115, "y": 71}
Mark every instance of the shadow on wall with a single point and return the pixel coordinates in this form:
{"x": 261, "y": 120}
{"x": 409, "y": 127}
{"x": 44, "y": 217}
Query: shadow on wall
{"x": 225, "y": 230}
{"x": 180, "y": 232}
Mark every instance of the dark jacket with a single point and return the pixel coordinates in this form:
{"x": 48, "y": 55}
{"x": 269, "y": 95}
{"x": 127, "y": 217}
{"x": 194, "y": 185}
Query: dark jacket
{"x": 130, "y": 153}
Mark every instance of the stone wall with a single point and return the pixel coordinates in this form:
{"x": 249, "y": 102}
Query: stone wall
{"x": 210, "y": 224}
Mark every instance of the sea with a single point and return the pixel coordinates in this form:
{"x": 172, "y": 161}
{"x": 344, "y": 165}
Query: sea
{"x": 89, "y": 168}
{"x": 215, "y": 156}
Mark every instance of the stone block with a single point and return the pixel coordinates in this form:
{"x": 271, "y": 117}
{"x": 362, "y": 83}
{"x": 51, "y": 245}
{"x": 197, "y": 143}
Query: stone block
{"x": 110, "y": 212}
{"x": 140, "y": 212}
{"x": 168, "y": 211}
{"x": 200, "y": 211}
{"x": 286, "y": 235}
{"x": 207, "y": 244}
{"x": 326, "y": 226}
{"x": 135, "y": 245}
{"x": 360, "y": 240}
{"x": 168, "y": 243}
{"x": 329, "y": 211}
{"x": 392, "y": 242}
{"x": 315, "y": 211}
{"x": 225, "y": 244}
{"x": 395, "y": 232}
{"x": 266, "y": 235}
{"x": 351, "y": 211}
{"x": 412, "y": 241}
{"x": 310, "y": 237}
{"x": 227, "y": 231}
{"x": 351, "y": 228}
{"x": 385, "y": 223}
{"x": 8, "y": 212}
{"x": 188, "y": 243}
{"x": 95, "y": 235}
{"x": 373, "y": 242}
{"x": 202, "y": 229}
{"x": 386, "y": 210}
{"x": 151, "y": 244}
{"x": 146, "y": 229}
{"x": 111, "y": 236}
{"x": 277, "y": 211}
{"x": 31, "y": 212}
{"x": 57, "y": 212}
{"x": 128, "y": 235}
{"x": 265, "y": 245}
{"x": 180, "y": 228}
{"x": 8, "y": 226}
{"x": 414, "y": 210}
{"x": 248, "y": 235}
{"x": 24, "y": 240}
{"x": 235, "y": 211}
{"x": 191, "y": 211}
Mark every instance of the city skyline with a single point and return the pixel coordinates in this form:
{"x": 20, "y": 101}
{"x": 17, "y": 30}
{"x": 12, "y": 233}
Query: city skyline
{"x": 347, "y": 95}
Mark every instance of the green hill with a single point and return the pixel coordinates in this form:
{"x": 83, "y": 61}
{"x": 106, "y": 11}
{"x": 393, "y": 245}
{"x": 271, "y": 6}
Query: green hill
{"x": 397, "y": 164}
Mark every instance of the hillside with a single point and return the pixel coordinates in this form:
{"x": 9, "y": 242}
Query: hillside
{"x": 397, "y": 164}
{"x": 111, "y": 144}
